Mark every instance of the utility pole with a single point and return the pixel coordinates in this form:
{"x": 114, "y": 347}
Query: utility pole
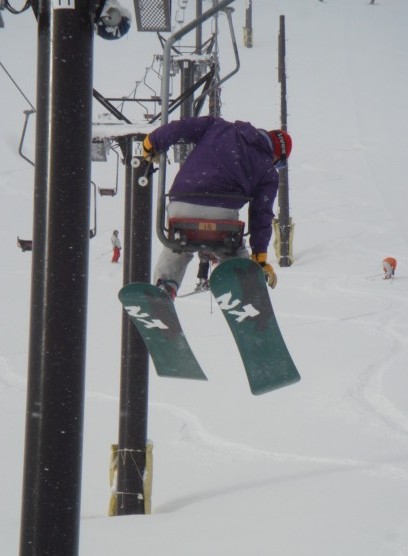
{"x": 199, "y": 30}
{"x": 131, "y": 461}
{"x": 56, "y": 368}
{"x": 285, "y": 228}
{"x": 248, "y": 32}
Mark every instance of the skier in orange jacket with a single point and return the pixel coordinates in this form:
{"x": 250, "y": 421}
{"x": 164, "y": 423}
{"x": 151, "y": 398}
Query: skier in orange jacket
{"x": 389, "y": 266}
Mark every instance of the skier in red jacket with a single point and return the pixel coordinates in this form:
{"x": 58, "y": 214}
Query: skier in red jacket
{"x": 116, "y": 246}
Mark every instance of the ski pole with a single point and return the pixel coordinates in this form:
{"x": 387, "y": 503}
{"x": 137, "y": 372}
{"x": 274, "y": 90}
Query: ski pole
{"x": 375, "y": 275}
{"x": 103, "y": 254}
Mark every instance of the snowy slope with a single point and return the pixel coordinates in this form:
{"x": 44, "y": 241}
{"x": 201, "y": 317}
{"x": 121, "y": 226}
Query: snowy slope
{"x": 315, "y": 469}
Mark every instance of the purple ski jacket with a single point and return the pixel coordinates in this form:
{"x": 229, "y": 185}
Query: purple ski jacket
{"x": 231, "y": 159}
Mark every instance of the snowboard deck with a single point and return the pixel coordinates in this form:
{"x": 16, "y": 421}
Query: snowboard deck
{"x": 153, "y": 314}
{"x": 240, "y": 290}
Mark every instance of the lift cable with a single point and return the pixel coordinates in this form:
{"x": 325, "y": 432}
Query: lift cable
{"x": 17, "y": 87}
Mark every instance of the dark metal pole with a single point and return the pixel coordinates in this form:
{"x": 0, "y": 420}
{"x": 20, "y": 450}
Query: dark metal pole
{"x": 135, "y": 361}
{"x": 186, "y": 108}
{"x": 187, "y": 81}
{"x": 283, "y": 192}
{"x": 248, "y": 33}
{"x": 199, "y": 30}
{"x": 282, "y": 71}
{"x": 55, "y": 392}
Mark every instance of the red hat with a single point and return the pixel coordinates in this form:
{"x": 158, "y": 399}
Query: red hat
{"x": 282, "y": 143}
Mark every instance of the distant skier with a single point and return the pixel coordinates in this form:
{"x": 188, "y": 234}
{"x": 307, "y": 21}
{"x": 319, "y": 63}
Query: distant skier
{"x": 116, "y": 245}
{"x": 230, "y": 163}
{"x": 389, "y": 267}
{"x": 203, "y": 273}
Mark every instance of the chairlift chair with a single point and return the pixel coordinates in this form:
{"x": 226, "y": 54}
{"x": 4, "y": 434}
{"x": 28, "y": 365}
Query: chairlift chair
{"x": 199, "y": 234}
{"x": 25, "y": 244}
{"x": 111, "y": 192}
{"x": 106, "y": 192}
{"x": 194, "y": 234}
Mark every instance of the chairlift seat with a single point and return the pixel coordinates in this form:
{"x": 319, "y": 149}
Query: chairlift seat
{"x": 106, "y": 192}
{"x": 198, "y": 234}
{"x": 25, "y": 244}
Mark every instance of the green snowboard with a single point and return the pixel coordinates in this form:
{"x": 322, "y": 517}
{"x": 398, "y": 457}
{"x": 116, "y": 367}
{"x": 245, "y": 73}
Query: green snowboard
{"x": 239, "y": 288}
{"x": 153, "y": 313}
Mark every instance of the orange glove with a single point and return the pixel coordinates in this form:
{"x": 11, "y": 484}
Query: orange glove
{"x": 149, "y": 154}
{"x": 270, "y": 275}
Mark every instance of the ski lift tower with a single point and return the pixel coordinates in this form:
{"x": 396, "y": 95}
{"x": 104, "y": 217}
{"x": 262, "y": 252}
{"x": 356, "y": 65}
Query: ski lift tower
{"x": 56, "y": 367}
{"x": 132, "y": 496}
{"x": 283, "y": 225}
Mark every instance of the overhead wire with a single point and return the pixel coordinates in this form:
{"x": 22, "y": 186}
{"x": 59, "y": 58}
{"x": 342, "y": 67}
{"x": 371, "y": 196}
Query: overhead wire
{"x": 16, "y": 85}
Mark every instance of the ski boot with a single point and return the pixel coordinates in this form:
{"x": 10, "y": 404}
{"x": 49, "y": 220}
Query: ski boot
{"x": 169, "y": 287}
{"x": 202, "y": 285}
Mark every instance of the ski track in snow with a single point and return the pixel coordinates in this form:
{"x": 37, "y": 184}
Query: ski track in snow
{"x": 10, "y": 379}
{"x": 367, "y": 391}
{"x": 193, "y": 434}
{"x": 13, "y": 381}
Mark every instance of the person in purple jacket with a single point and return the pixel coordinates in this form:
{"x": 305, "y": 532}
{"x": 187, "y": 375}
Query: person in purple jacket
{"x": 232, "y": 159}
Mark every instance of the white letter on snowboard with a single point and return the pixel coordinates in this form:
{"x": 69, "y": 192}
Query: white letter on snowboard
{"x": 134, "y": 311}
{"x": 247, "y": 310}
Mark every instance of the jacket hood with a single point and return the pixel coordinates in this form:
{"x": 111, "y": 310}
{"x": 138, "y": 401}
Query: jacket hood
{"x": 256, "y": 137}
{"x": 266, "y": 137}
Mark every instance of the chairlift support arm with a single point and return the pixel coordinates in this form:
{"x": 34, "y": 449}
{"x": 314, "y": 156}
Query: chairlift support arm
{"x": 165, "y": 86}
{"x": 20, "y": 148}
{"x": 112, "y": 109}
{"x": 237, "y": 62}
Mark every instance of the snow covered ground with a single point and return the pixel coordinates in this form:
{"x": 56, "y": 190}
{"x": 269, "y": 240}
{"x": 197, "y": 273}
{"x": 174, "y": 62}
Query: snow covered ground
{"x": 319, "y": 468}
